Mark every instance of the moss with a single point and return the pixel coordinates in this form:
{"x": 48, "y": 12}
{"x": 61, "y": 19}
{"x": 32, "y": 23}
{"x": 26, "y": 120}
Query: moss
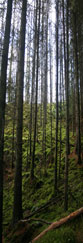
{"x": 63, "y": 235}
{"x": 38, "y": 192}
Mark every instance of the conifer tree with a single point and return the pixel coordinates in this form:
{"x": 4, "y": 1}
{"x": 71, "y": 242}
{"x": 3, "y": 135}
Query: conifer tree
{"x": 3, "y": 100}
{"x": 17, "y": 209}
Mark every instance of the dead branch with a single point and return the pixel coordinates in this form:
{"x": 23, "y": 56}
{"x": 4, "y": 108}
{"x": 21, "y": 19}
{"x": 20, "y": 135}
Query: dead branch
{"x": 38, "y": 220}
{"x": 59, "y": 223}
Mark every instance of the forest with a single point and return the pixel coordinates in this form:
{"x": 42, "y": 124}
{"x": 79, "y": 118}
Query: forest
{"x": 41, "y": 121}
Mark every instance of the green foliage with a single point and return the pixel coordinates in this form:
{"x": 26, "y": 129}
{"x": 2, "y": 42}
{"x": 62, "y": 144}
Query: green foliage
{"x": 63, "y": 235}
{"x": 38, "y": 192}
{"x": 8, "y": 202}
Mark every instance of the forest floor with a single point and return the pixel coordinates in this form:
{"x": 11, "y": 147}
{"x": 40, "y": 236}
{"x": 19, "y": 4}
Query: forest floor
{"x": 40, "y": 207}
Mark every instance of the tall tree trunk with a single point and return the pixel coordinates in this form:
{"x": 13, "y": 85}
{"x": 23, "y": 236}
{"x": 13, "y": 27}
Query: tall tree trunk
{"x": 28, "y": 70}
{"x": 51, "y": 85}
{"x": 78, "y": 134}
{"x": 17, "y": 209}
{"x": 42, "y": 66}
{"x": 56, "y": 148}
{"x": 73, "y": 97}
{"x": 45, "y": 85}
{"x": 67, "y": 112}
{"x": 36, "y": 97}
{"x": 33, "y": 80}
{"x": 2, "y": 101}
{"x": 61, "y": 78}
{"x": 10, "y": 83}
{"x": 66, "y": 63}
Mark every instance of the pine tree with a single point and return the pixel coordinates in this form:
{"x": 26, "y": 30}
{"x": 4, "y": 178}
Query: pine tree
{"x": 17, "y": 210}
{"x": 56, "y": 145}
{"x": 2, "y": 102}
{"x": 36, "y": 96}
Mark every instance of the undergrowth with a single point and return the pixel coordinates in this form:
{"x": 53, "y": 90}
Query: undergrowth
{"x": 39, "y": 193}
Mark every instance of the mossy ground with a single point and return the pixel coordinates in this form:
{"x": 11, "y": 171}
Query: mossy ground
{"x": 38, "y": 192}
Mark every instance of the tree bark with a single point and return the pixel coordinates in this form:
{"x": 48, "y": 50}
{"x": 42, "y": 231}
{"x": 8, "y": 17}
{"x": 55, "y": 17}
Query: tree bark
{"x": 78, "y": 133}
{"x": 45, "y": 85}
{"x": 61, "y": 67}
{"x": 36, "y": 98}
{"x": 67, "y": 111}
{"x": 33, "y": 80}
{"x": 56, "y": 148}
{"x": 2, "y": 102}
{"x": 17, "y": 208}
{"x": 51, "y": 88}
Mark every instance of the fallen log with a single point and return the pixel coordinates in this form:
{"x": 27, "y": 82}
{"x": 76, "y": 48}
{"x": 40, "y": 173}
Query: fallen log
{"x": 59, "y": 223}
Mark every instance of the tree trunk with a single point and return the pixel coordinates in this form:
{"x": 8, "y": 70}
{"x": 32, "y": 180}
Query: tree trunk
{"x": 17, "y": 209}
{"x": 36, "y": 98}
{"x": 78, "y": 134}
{"x": 33, "y": 81}
{"x": 45, "y": 85}
{"x": 56, "y": 148}
{"x": 2, "y": 102}
{"x": 67, "y": 112}
{"x": 51, "y": 88}
{"x": 61, "y": 68}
